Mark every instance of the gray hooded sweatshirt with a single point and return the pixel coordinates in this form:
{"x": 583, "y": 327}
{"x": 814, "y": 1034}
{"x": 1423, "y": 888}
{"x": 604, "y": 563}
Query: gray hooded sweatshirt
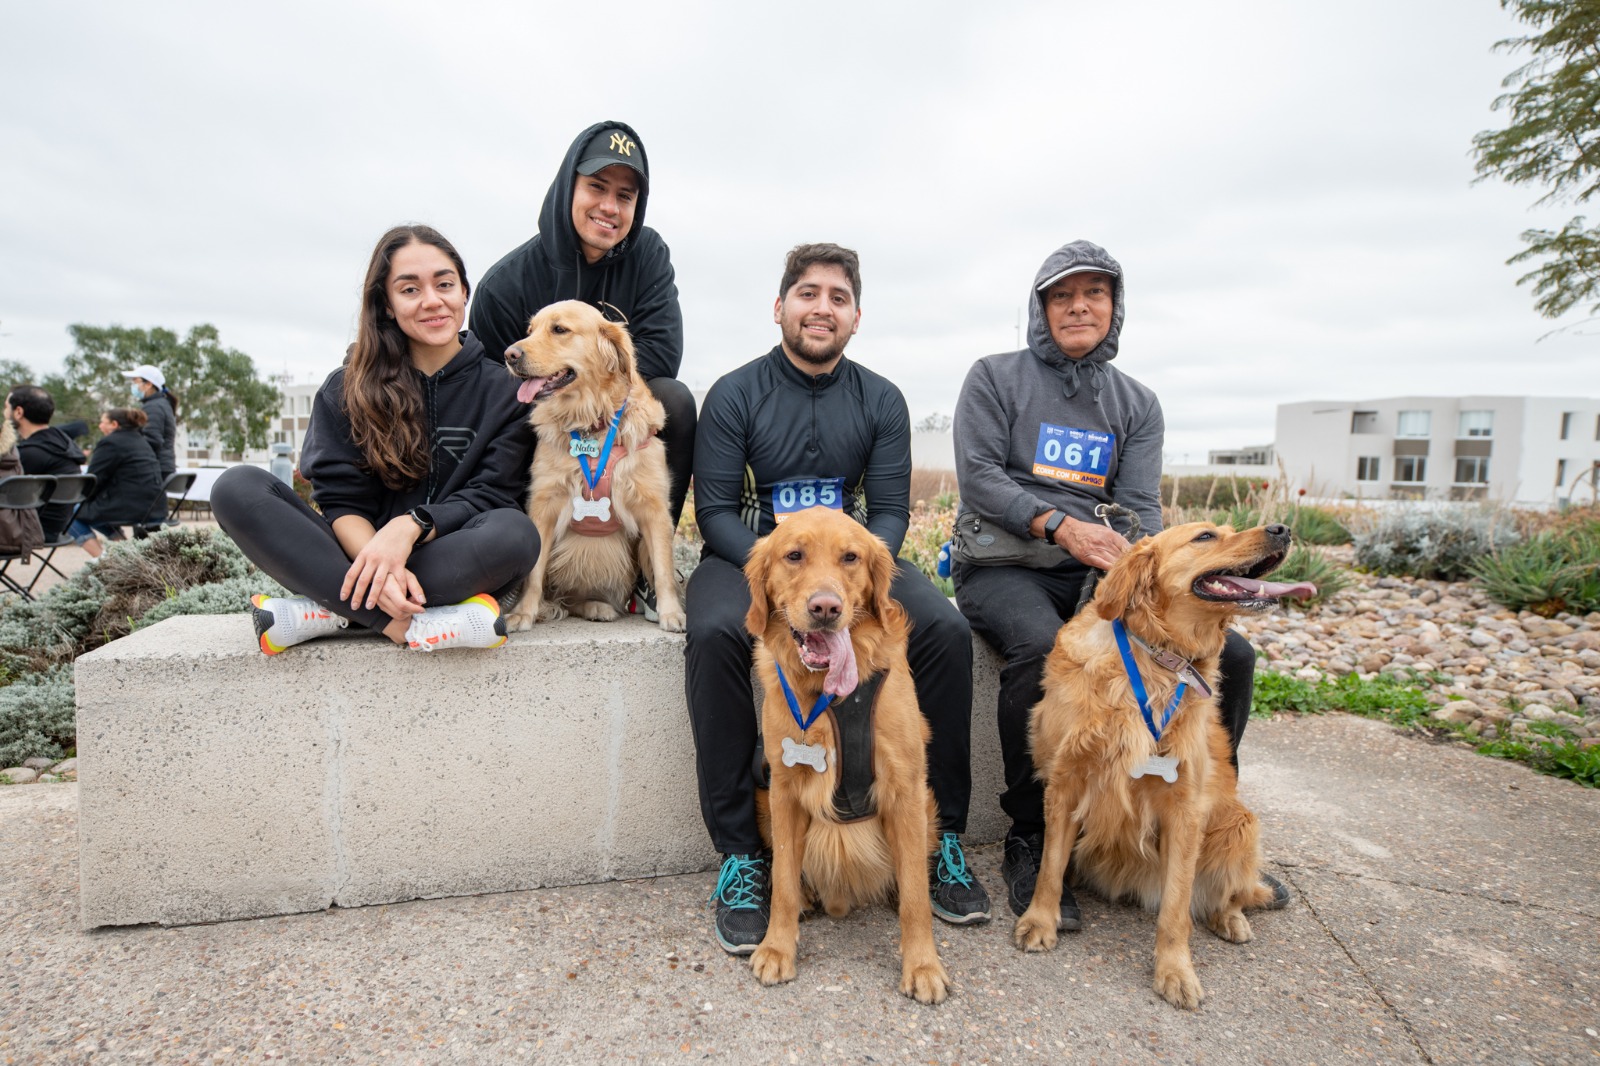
{"x": 1037, "y": 431}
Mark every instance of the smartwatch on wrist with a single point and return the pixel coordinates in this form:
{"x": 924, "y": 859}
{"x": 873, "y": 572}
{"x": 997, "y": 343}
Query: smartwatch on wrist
{"x": 1052, "y": 525}
{"x": 424, "y": 523}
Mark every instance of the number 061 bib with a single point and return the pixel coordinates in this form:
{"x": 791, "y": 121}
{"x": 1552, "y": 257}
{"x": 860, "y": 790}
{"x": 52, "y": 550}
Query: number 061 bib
{"x": 1078, "y": 455}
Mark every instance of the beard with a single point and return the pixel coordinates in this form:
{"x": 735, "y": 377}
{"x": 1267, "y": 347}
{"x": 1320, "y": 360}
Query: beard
{"x": 814, "y": 351}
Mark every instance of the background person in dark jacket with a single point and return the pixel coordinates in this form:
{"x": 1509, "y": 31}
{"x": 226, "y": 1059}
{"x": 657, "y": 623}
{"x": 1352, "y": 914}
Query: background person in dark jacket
{"x": 161, "y": 410}
{"x": 127, "y": 480}
{"x": 43, "y": 448}
{"x": 593, "y": 246}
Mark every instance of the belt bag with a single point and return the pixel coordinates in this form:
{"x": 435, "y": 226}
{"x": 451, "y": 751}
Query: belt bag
{"x": 983, "y": 542}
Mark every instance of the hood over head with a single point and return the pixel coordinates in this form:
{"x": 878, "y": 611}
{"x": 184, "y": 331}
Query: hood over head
{"x": 559, "y": 239}
{"x": 1076, "y": 257}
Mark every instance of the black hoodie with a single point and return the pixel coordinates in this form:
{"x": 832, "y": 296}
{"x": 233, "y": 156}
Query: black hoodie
{"x": 635, "y": 276}
{"x": 478, "y": 433}
{"x": 51, "y": 451}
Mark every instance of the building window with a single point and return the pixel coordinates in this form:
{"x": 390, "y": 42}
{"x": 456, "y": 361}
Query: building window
{"x": 1476, "y": 424}
{"x": 1411, "y": 469}
{"x": 1413, "y": 424}
{"x": 1364, "y": 422}
{"x": 1472, "y": 470}
{"x": 1561, "y": 472}
{"x": 1367, "y": 468}
{"x": 1566, "y": 424}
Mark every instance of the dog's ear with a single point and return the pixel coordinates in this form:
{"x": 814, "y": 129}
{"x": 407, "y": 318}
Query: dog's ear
{"x": 755, "y": 572}
{"x": 1129, "y": 582}
{"x": 617, "y": 346}
{"x": 881, "y": 568}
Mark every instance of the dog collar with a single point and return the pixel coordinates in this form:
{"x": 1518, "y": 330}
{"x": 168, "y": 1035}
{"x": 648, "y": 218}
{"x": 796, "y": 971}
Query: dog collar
{"x": 593, "y": 476}
{"x": 1174, "y": 662}
{"x": 794, "y": 703}
{"x": 1138, "y": 684}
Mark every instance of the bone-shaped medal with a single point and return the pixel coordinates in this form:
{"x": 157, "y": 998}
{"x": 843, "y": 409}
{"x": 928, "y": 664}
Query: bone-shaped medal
{"x": 812, "y": 755}
{"x": 1162, "y": 766}
{"x": 582, "y": 508}
{"x": 584, "y": 446}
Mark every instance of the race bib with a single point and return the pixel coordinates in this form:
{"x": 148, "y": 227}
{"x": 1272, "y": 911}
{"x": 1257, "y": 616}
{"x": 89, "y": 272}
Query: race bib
{"x": 789, "y": 497}
{"x": 1078, "y": 455}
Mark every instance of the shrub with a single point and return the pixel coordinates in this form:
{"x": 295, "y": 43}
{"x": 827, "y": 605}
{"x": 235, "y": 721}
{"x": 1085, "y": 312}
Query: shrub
{"x": 1313, "y": 525}
{"x": 1309, "y": 564}
{"x": 931, "y": 523}
{"x": 1432, "y": 543}
{"x": 1207, "y": 492}
{"x": 37, "y": 716}
{"x": 1551, "y": 572}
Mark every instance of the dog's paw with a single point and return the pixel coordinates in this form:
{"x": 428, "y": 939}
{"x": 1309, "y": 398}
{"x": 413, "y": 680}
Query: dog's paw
{"x": 771, "y": 966}
{"x": 551, "y": 611}
{"x": 1231, "y": 926}
{"x": 674, "y": 621}
{"x": 1178, "y": 985}
{"x": 925, "y": 982}
{"x": 519, "y": 621}
{"x": 1035, "y": 931}
{"x": 598, "y": 611}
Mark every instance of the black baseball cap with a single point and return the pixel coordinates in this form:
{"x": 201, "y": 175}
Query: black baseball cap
{"x": 1081, "y": 268}
{"x": 609, "y": 147}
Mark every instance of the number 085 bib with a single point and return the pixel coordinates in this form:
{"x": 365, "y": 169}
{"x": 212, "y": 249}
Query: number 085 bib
{"x": 1079, "y": 455}
{"x": 789, "y": 497}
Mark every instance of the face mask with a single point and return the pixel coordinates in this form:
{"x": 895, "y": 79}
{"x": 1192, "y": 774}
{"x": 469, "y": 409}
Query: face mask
{"x": 138, "y": 393}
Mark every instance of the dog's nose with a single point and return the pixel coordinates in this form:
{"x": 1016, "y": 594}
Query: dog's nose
{"x": 513, "y": 353}
{"x": 824, "y": 606}
{"x": 1278, "y": 531}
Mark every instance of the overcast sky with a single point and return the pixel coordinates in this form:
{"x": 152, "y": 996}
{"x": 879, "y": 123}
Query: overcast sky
{"x": 1288, "y": 186}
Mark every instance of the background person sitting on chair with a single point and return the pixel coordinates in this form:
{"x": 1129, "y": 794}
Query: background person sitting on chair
{"x": 43, "y": 448}
{"x": 127, "y": 481}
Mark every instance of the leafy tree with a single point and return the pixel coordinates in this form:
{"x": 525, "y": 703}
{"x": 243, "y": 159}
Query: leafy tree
{"x": 934, "y": 423}
{"x": 1553, "y": 140}
{"x": 14, "y": 373}
{"x": 217, "y": 388}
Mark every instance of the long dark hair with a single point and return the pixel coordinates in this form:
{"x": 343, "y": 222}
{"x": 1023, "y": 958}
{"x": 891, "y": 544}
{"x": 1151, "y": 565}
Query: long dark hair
{"x": 381, "y": 395}
{"x": 172, "y": 398}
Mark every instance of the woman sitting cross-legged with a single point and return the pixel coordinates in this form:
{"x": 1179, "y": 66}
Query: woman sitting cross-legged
{"x": 417, "y": 453}
{"x": 127, "y": 487}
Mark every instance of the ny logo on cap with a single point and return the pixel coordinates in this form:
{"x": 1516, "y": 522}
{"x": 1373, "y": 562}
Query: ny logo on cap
{"x": 621, "y": 145}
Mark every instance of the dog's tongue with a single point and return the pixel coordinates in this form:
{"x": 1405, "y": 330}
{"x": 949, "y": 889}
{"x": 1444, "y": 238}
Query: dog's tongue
{"x": 1273, "y": 590}
{"x": 841, "y": 679}
{"x": 529, "y": 389}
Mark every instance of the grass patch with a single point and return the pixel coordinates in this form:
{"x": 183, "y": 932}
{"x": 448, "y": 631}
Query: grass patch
{"x": 1558, "y": 758}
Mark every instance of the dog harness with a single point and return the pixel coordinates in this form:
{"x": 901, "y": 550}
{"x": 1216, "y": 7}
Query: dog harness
{"x": 600, "y": 519}
{"x": 852, "y": 727}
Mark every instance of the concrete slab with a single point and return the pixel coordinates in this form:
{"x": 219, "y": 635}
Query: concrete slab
{"x": 219, "y": 783}
{"x": 1373, "y": 962}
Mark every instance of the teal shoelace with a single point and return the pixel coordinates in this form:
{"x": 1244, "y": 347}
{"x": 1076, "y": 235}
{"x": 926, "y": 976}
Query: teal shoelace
{"x": 739, "y": 884}
{"x": 952, "y": 861}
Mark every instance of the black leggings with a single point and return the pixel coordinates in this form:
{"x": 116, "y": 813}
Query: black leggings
{"x": 678, "y": 436}
{"x": 278, "y": 532}
{"x": 1018, "y": 611}
{"x": 722, "y": 708}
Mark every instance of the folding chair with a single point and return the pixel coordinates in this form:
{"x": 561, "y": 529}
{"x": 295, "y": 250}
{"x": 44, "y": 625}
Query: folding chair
{"x": 22, "y": 493}
{"x": 177, "y": 487}
{"x": 73, "y": 489}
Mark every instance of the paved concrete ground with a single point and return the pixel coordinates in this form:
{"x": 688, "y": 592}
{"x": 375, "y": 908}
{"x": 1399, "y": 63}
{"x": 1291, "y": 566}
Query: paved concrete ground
{"x": 1446, "y": 911}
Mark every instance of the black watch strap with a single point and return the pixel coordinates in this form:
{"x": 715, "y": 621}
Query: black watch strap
{"x": 424, "y": 522}
{"x": 1052, "y": 525}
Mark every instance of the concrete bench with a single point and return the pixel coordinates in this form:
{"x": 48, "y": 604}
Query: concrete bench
{"x": 217, "y": 783}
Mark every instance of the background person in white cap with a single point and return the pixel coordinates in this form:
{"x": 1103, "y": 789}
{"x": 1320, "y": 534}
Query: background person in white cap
{"x": 161, "y": 408}
{"x": 593, "y": 246}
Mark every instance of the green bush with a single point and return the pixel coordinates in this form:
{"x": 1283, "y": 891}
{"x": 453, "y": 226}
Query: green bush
{"x": 37, "y": 716}
{"x": 1433, "y": 543}
{"x": 1313, "y": 525}
{"x": 1309, "y": 564}
{"x": 1548, "y": 573}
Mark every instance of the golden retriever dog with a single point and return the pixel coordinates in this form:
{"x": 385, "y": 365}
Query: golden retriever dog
{"x": 602, "y": 514}
{"x": 1172, "y": 837}
{"x": 820, "y": 606}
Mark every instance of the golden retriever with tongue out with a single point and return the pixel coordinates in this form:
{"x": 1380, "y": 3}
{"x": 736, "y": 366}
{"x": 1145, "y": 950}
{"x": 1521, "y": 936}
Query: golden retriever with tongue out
{"x": 849, "y": 814}
{"x": 600, "y": 482}
{"x": 1147, "y": 805}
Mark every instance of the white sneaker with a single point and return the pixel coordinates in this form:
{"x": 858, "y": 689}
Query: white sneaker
{"x": 474, "y": 623}
{"x": 284, "y": 621}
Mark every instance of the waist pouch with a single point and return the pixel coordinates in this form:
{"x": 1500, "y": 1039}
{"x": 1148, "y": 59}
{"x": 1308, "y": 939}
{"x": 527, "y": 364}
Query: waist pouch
{"x": 982, "y": 542}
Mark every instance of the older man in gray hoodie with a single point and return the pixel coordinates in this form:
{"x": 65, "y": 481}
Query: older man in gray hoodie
{"x": 1042, "y": 437}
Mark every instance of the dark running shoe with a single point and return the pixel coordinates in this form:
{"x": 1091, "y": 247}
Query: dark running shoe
{"x": 1280, "y": 893}
{"x": 1020, "y": 868}
{"x": 744, "y": 901}
{"x": 957, "y": 896}
{"x": 643, "y": 600}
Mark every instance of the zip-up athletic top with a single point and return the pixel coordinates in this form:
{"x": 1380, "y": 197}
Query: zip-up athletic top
{"x": 769, "y": 431}
{"x": 479, "y": 436}
{"x": 635, "y": 276}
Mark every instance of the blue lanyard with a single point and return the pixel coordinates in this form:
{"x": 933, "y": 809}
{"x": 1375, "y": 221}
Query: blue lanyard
{"x": 593, "y": 477}
{"x": 1138, "y": 684}
{"x": 794, "y": 704}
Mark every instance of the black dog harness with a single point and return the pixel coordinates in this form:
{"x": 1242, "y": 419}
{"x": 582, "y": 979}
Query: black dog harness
{"x": 852, "y": 724}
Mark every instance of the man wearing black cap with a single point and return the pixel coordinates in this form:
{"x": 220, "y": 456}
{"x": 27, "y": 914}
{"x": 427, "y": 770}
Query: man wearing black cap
{"x": 593, "y": 246}
{"x": 1043, "y": 436}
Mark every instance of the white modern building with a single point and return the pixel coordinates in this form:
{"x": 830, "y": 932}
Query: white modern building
{"x": 289, "y": 427}
{"x": 1524, "y": 449}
